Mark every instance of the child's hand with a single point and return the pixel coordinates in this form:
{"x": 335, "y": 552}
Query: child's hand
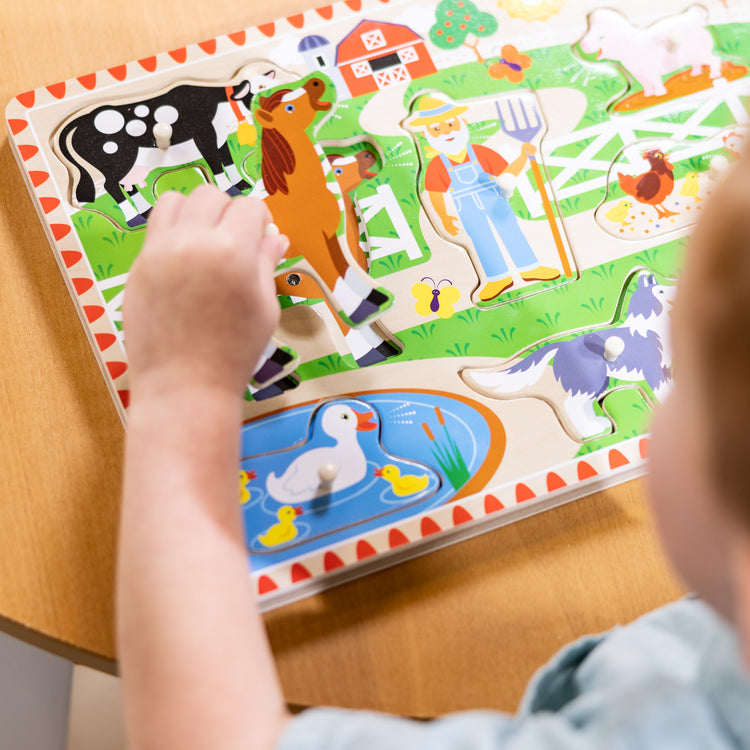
{"x": 200, "y": 302}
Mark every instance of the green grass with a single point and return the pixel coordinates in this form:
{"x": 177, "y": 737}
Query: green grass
{"x": 503, "y": 331}
{"x": 628, "y": 409}
{"x": 447, "y": 453}
{"x": 521, "y": 317}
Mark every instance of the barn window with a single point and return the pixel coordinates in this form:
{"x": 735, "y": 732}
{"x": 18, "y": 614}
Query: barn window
{"x": 373, "y": 39}
{"x": 387, "y": 61}
{"x": 408, "y": 55}
{"x": 361, "y": 69}
{"x": 321, "y": 61}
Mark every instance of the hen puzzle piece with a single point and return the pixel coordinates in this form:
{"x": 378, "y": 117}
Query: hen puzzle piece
{"x": 487, "y": 203}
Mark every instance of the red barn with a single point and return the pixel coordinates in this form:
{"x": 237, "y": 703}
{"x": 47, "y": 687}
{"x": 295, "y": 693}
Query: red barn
{"x": 378, "y": 54}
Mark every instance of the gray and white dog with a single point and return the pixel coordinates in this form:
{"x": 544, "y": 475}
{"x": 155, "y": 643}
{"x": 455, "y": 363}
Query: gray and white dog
{"x": 636, "y": 350}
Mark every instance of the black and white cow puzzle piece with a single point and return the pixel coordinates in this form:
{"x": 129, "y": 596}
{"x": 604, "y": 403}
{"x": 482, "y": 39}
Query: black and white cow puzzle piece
{"x": 125, "y": 142}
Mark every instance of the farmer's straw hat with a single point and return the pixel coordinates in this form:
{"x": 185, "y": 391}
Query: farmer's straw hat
{"x": 432, "y": 108}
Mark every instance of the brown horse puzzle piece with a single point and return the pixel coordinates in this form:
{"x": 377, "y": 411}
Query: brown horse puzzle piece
{"x": 308, "y": 206}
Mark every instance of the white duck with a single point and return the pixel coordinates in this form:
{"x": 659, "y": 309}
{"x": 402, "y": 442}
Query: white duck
{"x": 343, "y": 464}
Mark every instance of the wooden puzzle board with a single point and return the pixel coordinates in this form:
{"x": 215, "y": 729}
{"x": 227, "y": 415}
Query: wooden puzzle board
{"x": 442, "y": 399}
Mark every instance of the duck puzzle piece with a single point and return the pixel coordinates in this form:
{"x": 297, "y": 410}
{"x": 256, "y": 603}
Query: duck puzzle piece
{"x": 349, "y": 462}
{"x": 301, "y": 480}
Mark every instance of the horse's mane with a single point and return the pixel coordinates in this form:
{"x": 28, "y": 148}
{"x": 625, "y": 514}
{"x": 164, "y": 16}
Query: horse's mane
{"x": 277, "y": 157}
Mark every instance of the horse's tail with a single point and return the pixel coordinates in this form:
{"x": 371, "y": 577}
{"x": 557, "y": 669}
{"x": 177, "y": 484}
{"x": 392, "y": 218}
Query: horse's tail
{"x": 514, "y": 379}
{"x": 85, "y": 189}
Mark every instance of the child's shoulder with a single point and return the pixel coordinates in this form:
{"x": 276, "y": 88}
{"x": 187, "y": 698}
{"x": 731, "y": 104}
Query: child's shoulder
{"x": 671, "y": 678}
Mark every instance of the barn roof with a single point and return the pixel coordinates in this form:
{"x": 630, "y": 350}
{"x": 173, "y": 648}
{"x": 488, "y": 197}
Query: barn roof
{"x": 353, "y": 48}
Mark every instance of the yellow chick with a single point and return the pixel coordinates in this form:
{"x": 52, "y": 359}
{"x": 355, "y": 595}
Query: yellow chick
{"x": 691, "y": 186}
{"x": 619, "y": 213}
{"x": 283, "y": 531}
{"x": 402, "y": 486}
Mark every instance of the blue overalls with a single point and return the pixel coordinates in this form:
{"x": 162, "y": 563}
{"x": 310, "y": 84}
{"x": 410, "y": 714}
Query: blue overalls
{"x": 482, "y": 207}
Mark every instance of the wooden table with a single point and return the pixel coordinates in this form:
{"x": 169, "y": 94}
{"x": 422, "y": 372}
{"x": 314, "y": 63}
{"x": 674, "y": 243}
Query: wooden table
{"x": 463, "y": 627}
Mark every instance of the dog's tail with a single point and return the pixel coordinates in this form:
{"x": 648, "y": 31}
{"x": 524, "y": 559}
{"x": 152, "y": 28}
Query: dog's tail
{"x": 514, "y": 379}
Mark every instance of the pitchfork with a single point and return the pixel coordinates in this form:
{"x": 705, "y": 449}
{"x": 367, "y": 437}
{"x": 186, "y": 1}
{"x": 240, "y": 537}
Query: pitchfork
{"x": 525, "y": 133}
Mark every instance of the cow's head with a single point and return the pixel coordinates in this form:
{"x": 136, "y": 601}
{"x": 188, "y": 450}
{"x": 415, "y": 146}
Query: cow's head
{"x": 249, "y": 88}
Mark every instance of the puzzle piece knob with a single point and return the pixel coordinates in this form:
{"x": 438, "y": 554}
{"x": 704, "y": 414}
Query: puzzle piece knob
{"x": 163, "y": 135}
{"x": 718, "y": 166}
{"x": 327, "y": 474}
{"x": 507, "y": 184}
{"x": 614, "y": 346}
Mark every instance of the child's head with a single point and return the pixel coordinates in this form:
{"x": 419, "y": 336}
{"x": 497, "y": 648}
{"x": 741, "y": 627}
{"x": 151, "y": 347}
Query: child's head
{"x": 700, "y": 457}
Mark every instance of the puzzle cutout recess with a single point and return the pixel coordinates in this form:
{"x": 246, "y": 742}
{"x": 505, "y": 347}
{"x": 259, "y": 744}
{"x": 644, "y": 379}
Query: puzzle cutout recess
{"x": 487, "y": 203}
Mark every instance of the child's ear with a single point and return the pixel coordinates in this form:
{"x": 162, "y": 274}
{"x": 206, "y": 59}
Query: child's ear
{"x": 741, "y": 575}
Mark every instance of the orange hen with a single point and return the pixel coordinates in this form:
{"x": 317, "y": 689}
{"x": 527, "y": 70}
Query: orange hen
{"x": 652, "y": 187}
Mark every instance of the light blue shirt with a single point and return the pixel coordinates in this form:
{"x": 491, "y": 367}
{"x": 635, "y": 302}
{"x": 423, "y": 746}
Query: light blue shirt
{"x": 672, "y": 680}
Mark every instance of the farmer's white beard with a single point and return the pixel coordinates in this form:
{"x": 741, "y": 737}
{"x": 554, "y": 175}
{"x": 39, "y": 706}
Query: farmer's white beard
{"x": 451, "y": 144}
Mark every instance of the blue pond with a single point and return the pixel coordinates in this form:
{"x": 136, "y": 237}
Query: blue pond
{"x": 395, "y": 455}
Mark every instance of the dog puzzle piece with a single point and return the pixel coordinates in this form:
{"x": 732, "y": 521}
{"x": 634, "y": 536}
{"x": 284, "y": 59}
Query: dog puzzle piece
{"x": 573, "y": 374}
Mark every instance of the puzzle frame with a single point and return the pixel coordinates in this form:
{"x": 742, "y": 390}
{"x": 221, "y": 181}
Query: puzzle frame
{"x": 490, "y": 331}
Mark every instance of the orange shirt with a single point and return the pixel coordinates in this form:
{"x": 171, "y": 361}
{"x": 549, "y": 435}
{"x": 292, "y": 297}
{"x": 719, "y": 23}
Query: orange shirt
{"x": 437, "y": 179}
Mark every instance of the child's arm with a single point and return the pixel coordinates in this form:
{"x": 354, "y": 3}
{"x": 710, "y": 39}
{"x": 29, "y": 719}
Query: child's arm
{"x": 200, "y": 305}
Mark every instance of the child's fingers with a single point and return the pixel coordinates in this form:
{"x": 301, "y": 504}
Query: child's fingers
{"x": 166, "y": 211}
{"x": 274, "y": 248}
{"x": 246, "y": 219}
{"x": 205, "y": 206}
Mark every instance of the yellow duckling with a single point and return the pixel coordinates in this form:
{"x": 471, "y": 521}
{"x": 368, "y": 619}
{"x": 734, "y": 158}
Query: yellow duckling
{"x": 619, "y": 213}
{"x": 691, "y": 186}
{"x": 245, "y": 478}
{"x": 283, "y": 531}
{"x": 402, "y": 486}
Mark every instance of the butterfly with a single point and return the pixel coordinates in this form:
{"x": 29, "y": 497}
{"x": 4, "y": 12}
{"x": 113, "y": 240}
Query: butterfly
{"x": 433, "y": 299}
{"x": 511, "y": 64}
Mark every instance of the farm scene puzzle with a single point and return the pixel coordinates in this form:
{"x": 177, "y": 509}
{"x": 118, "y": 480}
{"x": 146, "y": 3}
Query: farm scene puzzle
{"x": 487, "y": 203}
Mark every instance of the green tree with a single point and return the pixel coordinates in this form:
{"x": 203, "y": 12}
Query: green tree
{"x": 460, "y": 22}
